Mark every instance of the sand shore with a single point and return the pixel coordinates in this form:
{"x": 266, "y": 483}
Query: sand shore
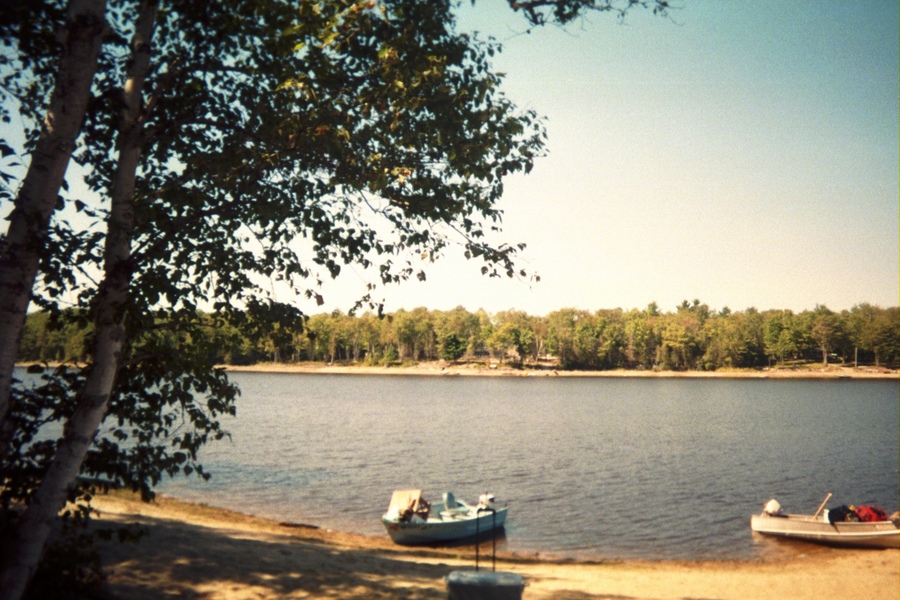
{"x": 192, "y": 551}
{"x": 441, "y": 368}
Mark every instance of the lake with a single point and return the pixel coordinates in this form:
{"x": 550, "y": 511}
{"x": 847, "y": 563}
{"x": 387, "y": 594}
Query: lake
{"x": 590, "y": 467}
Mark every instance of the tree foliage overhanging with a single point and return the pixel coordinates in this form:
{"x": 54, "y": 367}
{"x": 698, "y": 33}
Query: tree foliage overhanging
{"x": 277, "y": 142}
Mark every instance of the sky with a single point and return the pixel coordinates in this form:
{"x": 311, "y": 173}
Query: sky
{"x": 744, "y": 154}
{"x": 741, "y": 153}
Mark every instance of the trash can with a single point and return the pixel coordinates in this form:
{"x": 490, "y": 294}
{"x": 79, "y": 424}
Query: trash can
{"x": 484, "y": 585}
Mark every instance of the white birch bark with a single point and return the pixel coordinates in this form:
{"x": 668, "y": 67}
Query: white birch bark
{"x": 33, "y": 530}
{"x": 29, "y": 221}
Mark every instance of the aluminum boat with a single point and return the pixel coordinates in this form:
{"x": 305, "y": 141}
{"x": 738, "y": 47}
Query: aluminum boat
{"x": 411, "y": 520}
{"x": 819, "y": 528}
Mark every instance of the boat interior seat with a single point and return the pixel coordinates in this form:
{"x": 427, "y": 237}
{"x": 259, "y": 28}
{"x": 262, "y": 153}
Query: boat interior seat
{"x": 449, "y": 501}
{"x": 452, "y": 508}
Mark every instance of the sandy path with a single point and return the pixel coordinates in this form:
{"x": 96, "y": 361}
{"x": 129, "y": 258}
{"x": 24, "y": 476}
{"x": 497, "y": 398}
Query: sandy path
{"x": 199, "y": 552}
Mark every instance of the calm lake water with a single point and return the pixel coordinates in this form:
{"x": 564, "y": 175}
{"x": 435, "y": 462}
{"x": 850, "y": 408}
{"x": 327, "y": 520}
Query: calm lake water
{"x": 590, "y": 467}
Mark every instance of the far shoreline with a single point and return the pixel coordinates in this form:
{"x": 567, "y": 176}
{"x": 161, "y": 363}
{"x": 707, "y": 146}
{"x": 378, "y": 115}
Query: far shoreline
{"x": 456, "y": 369}
{"x": 448, "y": 369}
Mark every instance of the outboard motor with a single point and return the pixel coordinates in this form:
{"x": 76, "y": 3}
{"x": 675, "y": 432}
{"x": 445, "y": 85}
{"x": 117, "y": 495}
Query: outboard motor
{"x": 772, "y": 508}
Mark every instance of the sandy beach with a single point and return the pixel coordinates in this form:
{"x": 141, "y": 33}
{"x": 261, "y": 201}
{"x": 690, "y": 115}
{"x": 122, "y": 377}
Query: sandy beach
{"x": 195, "y": 551}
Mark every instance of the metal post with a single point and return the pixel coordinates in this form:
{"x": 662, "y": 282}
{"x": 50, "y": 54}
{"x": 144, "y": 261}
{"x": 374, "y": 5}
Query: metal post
{"x": 478, "y": 536}
{"x": 493, "y": 540}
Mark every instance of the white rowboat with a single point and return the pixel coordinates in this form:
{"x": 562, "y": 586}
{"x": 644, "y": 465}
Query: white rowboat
{"x": 410, "y": 520}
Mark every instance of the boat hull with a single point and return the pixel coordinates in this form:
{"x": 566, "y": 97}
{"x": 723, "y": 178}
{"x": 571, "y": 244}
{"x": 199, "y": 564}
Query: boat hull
{"x": 880, "y": 534}
{"x": 436, "y": 530}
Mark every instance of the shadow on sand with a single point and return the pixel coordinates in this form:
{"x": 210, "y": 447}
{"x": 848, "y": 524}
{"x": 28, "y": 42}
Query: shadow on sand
{"x": 175, "y": 559}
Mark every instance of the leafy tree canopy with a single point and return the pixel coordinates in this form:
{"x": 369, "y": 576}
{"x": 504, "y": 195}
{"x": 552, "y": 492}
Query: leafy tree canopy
{"x": 363, "y": 133}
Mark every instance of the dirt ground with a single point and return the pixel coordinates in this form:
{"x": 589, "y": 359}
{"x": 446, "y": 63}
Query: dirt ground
{"x": 198, "y": 552}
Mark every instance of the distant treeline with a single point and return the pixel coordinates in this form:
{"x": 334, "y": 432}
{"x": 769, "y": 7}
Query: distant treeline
{"x": 692, "y": 337}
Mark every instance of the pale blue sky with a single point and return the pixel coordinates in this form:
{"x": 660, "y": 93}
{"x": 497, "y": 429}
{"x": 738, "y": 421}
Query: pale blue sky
{"x": 743, "y": 153}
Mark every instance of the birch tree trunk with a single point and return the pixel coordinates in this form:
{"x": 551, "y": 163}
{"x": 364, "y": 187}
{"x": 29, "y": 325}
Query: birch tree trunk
{"x": 32, "y": 532}
{"x": 29, "y": 221}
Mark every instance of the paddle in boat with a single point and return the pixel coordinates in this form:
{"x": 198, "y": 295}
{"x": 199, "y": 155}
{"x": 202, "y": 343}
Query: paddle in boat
{"x": 411, "y": 520}
{"x": 858, "y": 527}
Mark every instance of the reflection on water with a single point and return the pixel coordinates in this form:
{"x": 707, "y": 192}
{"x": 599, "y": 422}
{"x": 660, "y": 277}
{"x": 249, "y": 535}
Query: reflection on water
{"x": 601, "y": 468}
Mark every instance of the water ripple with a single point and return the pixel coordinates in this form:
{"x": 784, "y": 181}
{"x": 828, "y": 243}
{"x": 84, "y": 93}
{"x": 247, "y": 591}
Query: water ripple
{"x": 590, "y": 468}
